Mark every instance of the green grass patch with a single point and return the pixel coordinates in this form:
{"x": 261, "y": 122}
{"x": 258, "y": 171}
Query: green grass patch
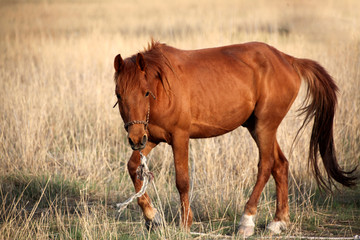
{"x": 25, "y": 191}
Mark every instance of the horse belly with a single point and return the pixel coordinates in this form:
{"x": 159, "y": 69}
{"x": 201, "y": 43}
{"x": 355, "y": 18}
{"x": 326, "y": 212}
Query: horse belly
{"x": 220, "y": 119}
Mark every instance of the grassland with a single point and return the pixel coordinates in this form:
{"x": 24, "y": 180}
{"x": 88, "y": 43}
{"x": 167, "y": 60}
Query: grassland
{"x": 63, "y": 150}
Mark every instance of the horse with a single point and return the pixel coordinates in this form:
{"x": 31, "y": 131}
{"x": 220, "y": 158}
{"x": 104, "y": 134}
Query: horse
{"x": 165, "y": 94}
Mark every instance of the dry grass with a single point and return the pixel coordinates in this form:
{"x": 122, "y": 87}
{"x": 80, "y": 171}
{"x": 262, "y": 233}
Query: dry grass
{"x": 62, "y": 147}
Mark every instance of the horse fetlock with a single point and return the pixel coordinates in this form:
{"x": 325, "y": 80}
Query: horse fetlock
{"x": 247, "y": 220}
{"x": 150, "y": 213}
{"x": 277, "y": 227}
{"x": 186, "y": 219}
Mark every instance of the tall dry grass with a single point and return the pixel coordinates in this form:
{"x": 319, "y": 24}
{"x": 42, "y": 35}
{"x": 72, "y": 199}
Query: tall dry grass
{"x": 63, "y": 150}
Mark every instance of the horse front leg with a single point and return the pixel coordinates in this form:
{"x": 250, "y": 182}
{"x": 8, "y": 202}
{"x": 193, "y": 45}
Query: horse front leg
{"x": 180, "y": 146}
{"x": 151, "y": 215}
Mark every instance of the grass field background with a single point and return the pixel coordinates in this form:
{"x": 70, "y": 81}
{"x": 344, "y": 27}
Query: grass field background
{"x": 63, "y": 149}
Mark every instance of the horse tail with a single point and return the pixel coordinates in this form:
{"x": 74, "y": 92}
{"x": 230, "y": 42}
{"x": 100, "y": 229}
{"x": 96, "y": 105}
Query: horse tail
{"x": 320, "y": 103}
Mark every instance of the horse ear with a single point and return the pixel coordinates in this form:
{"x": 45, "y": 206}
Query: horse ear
{"x": 140, "y": 61}
{"x": 118, "y": 62}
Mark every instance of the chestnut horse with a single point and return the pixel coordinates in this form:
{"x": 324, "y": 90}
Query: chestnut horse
{"x": 171, "y": 95}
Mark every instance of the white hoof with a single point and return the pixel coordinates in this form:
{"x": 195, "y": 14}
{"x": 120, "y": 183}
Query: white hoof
{"x": 245, "y": 231}
{"x": 276, "y": 226}
{"x": 247, "y": 225}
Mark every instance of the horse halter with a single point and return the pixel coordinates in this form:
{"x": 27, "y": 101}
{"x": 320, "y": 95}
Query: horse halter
{"x": 146, "y": 122}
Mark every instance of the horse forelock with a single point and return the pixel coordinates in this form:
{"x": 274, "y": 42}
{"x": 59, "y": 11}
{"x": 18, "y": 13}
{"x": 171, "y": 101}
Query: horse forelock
{"x": 125, "y": 80}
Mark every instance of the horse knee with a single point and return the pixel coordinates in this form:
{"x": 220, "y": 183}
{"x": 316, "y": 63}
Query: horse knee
{"x": 131, "y": 166}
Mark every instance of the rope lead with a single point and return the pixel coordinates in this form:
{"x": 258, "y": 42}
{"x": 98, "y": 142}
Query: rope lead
{"x": 144, "y": 175}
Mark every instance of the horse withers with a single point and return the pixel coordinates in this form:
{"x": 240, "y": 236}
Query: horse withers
{"x": 171, "y": 95}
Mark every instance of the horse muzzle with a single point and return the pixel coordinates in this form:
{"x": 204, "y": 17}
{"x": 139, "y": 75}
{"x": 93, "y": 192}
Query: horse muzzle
{"x": 138, "y": 144}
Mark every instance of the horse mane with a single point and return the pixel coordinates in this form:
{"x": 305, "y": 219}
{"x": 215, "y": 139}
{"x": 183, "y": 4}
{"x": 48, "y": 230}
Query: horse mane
{"x": 157, "y": 64}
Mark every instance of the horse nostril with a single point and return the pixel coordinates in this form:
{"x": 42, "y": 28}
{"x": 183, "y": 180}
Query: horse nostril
{"x": 144, "y": 139}
{"x": 131, "y": 142}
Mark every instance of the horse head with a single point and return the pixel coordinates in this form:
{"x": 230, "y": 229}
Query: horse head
{"x": 132, "y": 91}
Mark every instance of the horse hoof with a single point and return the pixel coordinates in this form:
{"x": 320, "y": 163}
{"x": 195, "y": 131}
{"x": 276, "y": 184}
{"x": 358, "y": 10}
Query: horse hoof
{"x": 276, "y": 227}
{"x": 156, "y": 222}
{"x": 246, "y": 231}
{"x": 247, "y": 225}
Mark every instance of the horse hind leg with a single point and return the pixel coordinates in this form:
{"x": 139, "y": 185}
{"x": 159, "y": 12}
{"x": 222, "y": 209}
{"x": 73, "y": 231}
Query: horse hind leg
{"x": 264, "y": 135}
{"x": 272, "y": 161}
{"x": 280, "y": 173}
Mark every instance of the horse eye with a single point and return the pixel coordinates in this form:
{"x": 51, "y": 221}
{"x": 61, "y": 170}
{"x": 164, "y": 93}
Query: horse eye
{"x": 147, "y": 94}
{"x": 118, "y": 96}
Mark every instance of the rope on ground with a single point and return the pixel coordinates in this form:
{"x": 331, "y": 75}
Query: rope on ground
{"x": 211, "y": 235}
{"x": 144, "y": 175}
{"x": 276, "y": 237}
